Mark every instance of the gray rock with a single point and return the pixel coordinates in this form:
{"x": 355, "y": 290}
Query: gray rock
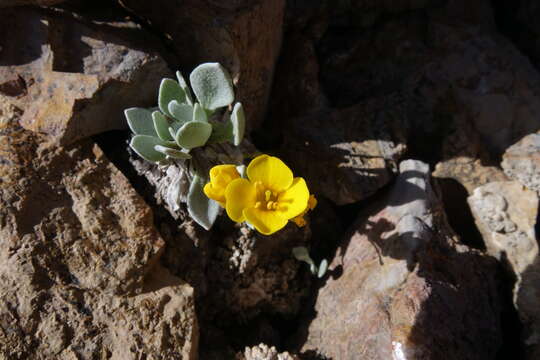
{"x": 521, "y": 161}
{"x": 506, "y": 214}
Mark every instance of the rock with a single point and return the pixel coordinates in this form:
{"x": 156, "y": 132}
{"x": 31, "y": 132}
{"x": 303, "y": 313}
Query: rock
{"x": 506, "y": 214}
{"x": 251, "y": 274}
{"x": 243, "y": 35}
{"x": 263, "y": 352}
{"x": 464, "y": 157}
{"x": 355, "y": 148}
{"x": 78, "y": 258}
{"x": 396, "y": 274}
{"x": 8, "y": 3}
{"x": 521, "y": 161}
{"x": 75, "y": 77}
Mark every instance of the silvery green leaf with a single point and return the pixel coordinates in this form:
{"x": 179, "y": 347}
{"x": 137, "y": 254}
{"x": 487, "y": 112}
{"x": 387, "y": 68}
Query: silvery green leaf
{"x": 323, "y": 266}
{"x": 193, "y": 134}
{"x": 161, "y": 125}
{"x": 212, "y": 85}
{"x": 199, "y": 114}
{"x": 313, "y": 269}
{"x": 221, "y": 132}
{"x": 201, "y": 209}
{"x": 169, "y": 90}
{"x": 140, "y": 121}
{"x": 301, "y": 253}
{"x": 238, "y": 120}
{"x": 144, "y": 146}
{"x": 175, "y": 153}
{"x": 181, "y": 112}
{"x": 185, "y": 87}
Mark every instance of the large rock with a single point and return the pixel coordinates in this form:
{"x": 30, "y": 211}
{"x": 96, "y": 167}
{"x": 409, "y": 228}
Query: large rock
{"x": 78, "y": 256}
{"x": 506, "y": 215}
{"x": 347, "y": 155}
{"x": 521, "y": 161}
{"x": 243, "y": 35}
{"x": 402, "y": 287}
{"x": 74, "y": 77}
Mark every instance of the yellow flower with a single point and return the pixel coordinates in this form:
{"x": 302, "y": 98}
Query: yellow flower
{"x": 220, "y": 177}
{"x": 299, "y": 220}
{"x": 269, "y": 198}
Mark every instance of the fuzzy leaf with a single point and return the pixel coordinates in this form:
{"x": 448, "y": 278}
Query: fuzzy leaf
{"x": 140, "y": 121}
{"x": 185, "y": 87}
{"x": 212, "y": 85}
{"x": 301, "y": 253}
{"x": 199, "y": 114}
{"x": 193, "y": 134}
{"x": 161, "y": 125}
{"x": 175, "y": 153}
{"x": 323, "y": 266}
{"x": 238, "y": 121}
{"x": 221, "y": 132}
{"x": 144, "y": 146}
{"x": 313, "y": 269}
{"x": 169, "y": 90}
{"x": 181, "y": 112}
{"x": 201, "y": 209}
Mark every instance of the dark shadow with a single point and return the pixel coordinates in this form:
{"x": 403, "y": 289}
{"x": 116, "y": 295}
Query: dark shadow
{"x": 458, "y": 212}
{"x": 22, "y": 36}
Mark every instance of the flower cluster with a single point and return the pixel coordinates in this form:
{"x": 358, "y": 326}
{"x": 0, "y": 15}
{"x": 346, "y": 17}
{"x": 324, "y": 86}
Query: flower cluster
{"x": 267, "y": 199}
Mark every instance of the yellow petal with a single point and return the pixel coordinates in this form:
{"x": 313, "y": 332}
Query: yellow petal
{"x": 271, "y": 172}
{"x": 222, "y": 175}
{"x": 294, "y": 201}
{"x": 239, "y": 195}
{"x": 214, "y": 194}
{"x": 265, "y": 221}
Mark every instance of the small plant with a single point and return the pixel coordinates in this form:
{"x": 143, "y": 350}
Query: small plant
{"x": 266, "y": 199}
{"x": 182, "y": 123}
{"x": 301, "y": 254}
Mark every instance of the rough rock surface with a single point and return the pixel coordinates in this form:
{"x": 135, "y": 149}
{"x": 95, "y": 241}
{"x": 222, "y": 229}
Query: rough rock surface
{"x": 399, "y": 272}
{"x": 74, "y": 77}
{"x": 355, "y": 149}
{"x": 243, "y": 35}
{"x": 264, "y": 352}
{"x": 521, "y": 161}
{"x": 77, "y": 255}
{"x": 506, "y": 214}
{"x": 8, "y": 3}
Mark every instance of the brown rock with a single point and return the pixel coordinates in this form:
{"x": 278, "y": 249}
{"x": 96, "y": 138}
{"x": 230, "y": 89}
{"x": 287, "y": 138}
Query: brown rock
{"x": 521, "y": 161}
{"x": 506, "y": 214}
{"x": 464, "y": 157}
{"x": 346, "y": 155}
{"x": 243, "y": 35}
{"x": 77, "y": 258}
{"x": 399, "y": 275}
{"x": 75, "y": 77}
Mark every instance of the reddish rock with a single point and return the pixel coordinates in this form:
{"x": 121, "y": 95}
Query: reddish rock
{"x": 401, "y": 286}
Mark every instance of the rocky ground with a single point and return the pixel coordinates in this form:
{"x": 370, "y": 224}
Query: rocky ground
{"x": 415, "y": 122}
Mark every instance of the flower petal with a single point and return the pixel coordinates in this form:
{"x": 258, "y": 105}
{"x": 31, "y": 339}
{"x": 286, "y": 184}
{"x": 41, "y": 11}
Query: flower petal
{"x": 214, "y": 194}
{"x": 265, "y": 221}
{"x": 240, "y": 194}
{"x": 271, "y": 171}
{"x": 223, "y": 173}
{"x": 294, "y": 201}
